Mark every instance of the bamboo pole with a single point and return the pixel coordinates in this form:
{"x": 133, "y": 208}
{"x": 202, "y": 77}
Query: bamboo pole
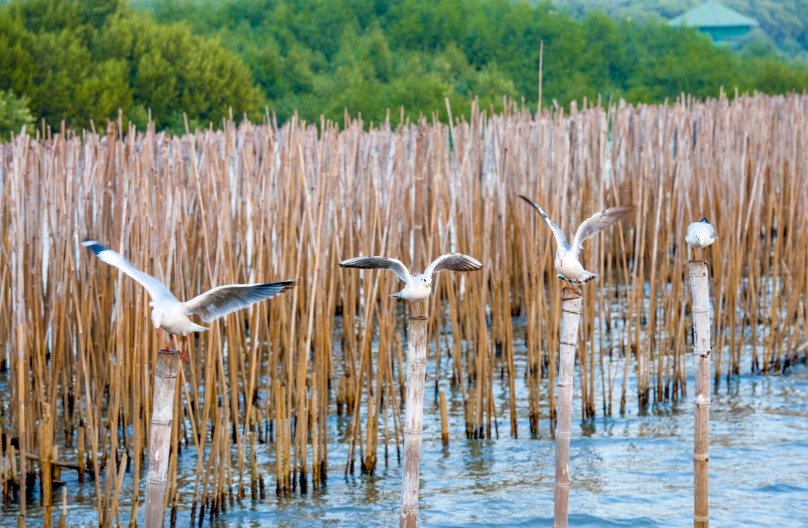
{"x": 700, "y": 291}
{"x": 444, "y": 419}
{"x": 160, "y": 441}
{"x": 570, "y": 319}
{"x": 413, "y": 419}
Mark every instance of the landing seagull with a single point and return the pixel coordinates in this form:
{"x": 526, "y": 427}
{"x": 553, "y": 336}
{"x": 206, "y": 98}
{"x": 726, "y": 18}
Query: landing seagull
{"x": 566, "y": 263}
{"x": 171, "y": 314}
{"x": 417, "y": 287}
{"x": 700, "y": 235}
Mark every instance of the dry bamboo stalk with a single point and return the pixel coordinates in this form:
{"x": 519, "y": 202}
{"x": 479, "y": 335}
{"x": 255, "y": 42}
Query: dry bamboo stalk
{"x": 165, "y": 383}
{"x": 444, "y": 419}
{"x": 700, "y": 291}
{"x": 46, "y": 477}
{"x": 413, "y": 419}
{"x": 570, "y": 318}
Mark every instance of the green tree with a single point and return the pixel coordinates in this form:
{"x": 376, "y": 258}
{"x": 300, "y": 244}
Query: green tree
{"x": 14, "y": 113}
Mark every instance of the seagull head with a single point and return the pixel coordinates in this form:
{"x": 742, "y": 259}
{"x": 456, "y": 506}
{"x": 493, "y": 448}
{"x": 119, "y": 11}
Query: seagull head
{"x": 423, "y": 280}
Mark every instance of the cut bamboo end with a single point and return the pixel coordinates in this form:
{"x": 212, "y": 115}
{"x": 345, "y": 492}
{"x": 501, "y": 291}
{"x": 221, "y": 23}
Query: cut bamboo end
{"x": 568, "y": 293}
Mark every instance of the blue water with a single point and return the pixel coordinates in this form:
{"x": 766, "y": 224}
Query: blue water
{"x": 634, "y": 470}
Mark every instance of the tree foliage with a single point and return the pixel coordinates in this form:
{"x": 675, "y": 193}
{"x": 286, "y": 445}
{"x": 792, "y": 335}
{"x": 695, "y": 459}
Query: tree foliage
{"x": 81, "y": 61}
{"x": 14, "y": 113}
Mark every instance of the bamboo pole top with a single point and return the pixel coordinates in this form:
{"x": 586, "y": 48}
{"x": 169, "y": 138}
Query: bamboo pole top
{"x": 569, "y": 293}
{"x": 419, "y": 318}
{"x": 167, "y": 368}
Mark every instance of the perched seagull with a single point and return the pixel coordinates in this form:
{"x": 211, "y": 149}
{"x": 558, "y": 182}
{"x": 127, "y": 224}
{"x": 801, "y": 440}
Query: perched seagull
{"x": 700, "y": 235}
{"x": 417, "y": 287}
{"x": 566, "y": 263}
{"x": 171, "y": 314}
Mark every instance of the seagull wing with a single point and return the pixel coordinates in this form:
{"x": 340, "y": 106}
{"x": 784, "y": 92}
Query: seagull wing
{"x": 379, "y": 263}
{"x": 597, "y": 223}
{"x": 157, "y": 291}
{"x": 220, "y": 301}
{"x": 453, "y": 262}
{"x": 559, "y": 234}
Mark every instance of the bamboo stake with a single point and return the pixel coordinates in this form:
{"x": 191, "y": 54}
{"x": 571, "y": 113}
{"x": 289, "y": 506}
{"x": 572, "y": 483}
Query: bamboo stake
{"x": 570, "y": 319}
{"x": 413, "y": 419}
{"x": 160, "y": 441}
{"x": 444, "y": 420}
{"x": 700, "y": 291}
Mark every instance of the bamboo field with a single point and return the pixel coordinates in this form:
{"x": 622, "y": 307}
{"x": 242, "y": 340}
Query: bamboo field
{"x": 259, "y": 203}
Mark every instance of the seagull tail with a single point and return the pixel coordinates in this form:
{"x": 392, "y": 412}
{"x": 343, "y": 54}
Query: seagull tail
{"x": 586, "y": 276}
{"x": 397, "y": 295}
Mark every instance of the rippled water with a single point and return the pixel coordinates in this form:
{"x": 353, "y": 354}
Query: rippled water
{"x": 634, "y": 470}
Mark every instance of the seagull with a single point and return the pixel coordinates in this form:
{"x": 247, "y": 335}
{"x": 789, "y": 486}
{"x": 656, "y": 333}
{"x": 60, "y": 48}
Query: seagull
{"x": 700, "y": 234}
{"x": 417, "y": 287}
{"x": 171, "y": 314}
{"x": 566, "y": 262}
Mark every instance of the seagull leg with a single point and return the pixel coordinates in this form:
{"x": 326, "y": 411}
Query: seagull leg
{"x": 168, "y": 345}
{"x": 184, "y": 353}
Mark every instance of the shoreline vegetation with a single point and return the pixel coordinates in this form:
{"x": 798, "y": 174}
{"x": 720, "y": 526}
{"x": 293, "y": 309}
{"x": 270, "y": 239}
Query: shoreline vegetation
{"x": 253, "y": 203}
{"x": 192, "y": 63}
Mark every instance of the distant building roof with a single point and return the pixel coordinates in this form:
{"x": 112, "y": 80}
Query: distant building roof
{"x": 713, "y": 14}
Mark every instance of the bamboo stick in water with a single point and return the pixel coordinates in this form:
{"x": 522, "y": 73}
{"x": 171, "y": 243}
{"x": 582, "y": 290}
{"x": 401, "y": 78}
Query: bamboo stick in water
{"x": 160, "y": 445}
{"x": 570, "y": 319}
{"x": 700, "y": 290}
{"x": 413, "y": 420}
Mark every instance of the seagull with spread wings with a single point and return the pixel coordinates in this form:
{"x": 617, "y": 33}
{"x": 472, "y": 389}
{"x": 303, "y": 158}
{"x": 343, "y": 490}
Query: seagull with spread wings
{"x": 171, "y": 314}
{"x": 567, "y": 261}
{"x": 418, "y": 287}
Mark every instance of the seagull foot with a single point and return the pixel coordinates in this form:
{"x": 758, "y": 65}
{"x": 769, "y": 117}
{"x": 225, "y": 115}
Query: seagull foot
{"x": 184, "y": 355}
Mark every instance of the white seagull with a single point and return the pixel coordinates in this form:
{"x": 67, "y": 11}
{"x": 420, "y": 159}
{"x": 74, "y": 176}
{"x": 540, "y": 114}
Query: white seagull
{"x": 417, "y": 287}
{"x": 700, "y": 235}
{"x": 171, "y": 314}
{"x": 567, "y": 261}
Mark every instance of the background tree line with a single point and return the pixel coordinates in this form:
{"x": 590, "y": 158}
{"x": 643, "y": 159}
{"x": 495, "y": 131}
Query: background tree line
{"x": 79, "y": 61}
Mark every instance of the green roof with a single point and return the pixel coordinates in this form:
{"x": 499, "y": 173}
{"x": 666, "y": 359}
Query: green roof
{"x": 713, "y": 14}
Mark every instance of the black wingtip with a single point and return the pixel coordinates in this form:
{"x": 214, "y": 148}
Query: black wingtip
{"x": 533, "y": 204}
{"x": 282, "y": 285}
{"x": 94, "y": 246}
{"x": 704, "y": 219}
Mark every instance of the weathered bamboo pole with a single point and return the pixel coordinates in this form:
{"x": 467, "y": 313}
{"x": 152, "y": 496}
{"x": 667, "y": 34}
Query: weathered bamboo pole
{"x": 700, "y": 291}
{"x": 413, "y": 419}
{"x": 570, "y": 319}
{"x": 160, "y": 442}
{"x": 444, "y": 419}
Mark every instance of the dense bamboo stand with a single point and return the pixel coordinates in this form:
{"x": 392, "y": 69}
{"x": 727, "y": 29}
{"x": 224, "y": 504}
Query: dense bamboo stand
{"x": 700, "y": 291}
{"x": 264, "y": 202}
